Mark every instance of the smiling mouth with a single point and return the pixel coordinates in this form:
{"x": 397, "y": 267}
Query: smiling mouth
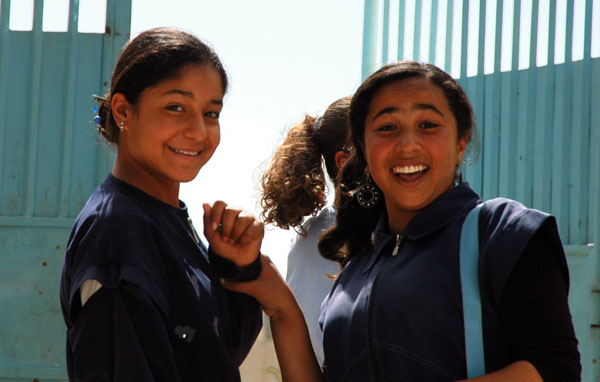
{"x": 184, "y": 152}
{"x": 409, "y": 173}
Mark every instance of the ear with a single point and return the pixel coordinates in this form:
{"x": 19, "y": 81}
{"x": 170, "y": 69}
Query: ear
{"x": 341, "y": 157}
{"x": 462, "y": 146}
{"x": 121, "y": 108}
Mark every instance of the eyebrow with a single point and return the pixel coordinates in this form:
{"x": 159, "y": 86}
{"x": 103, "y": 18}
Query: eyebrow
{"x": 419, "y": 106}
{"x": 190, "y": 95}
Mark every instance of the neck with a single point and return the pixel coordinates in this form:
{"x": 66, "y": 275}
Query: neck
{"x": 398, "y": 222}
{"x": 162, "y": 189}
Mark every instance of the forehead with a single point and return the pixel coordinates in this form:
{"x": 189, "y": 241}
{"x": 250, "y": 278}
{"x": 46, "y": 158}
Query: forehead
{"x": 409, "y": 91}
{"x": 202, "y": 76}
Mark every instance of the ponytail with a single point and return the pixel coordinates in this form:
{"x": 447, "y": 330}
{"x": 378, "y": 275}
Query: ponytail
{"x": 293, "y": 186}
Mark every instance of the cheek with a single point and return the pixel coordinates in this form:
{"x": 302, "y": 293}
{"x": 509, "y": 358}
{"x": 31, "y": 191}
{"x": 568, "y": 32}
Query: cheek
{"x": 215, "y": 136}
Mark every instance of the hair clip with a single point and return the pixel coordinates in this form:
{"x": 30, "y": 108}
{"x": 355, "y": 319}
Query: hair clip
{"x": 98, "y": 98}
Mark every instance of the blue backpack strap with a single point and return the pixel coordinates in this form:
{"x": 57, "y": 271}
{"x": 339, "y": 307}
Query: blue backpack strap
{"x": 469, "y": 279}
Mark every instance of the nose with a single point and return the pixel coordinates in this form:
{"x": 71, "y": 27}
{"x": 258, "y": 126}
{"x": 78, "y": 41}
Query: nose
{"x": 196, "y": 129}
{"x": 407, "y": 141}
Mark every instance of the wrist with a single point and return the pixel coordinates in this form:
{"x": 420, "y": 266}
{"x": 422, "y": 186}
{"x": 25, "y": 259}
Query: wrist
{"x": 229, "y": 270}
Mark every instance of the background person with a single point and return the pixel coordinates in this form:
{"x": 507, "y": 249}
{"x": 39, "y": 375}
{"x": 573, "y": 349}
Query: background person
{"x": 293, "y": 187}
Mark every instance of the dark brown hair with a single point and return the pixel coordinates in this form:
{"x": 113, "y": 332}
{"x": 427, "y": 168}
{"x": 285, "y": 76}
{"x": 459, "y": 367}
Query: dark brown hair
{"x": 293, "y": 186}
{"x": 153, "y": 56}
{"x": 351, "y": 233}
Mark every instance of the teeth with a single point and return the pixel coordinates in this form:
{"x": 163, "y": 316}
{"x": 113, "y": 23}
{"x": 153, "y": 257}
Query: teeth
{"x": 409, "y": 169}
{"x": 185, "y": 152}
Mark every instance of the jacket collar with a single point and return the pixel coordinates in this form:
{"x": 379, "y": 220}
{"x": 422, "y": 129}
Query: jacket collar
{"x": 441, "y": 212}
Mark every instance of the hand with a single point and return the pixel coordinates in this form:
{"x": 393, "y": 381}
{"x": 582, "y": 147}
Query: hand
{"x": 270, "y": 290}
{"x": 232, "y": 233}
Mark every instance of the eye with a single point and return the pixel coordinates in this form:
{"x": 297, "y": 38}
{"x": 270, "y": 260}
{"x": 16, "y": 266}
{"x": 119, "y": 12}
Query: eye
{"x": 178, "y": 108}
{"x": 428, "y": 125}
{"x": 386, "y": 128}
{"x": 212, "y": 114}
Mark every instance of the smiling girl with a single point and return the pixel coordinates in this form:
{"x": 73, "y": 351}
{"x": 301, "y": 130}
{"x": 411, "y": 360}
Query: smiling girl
{"x": 395, "y": 312}
{"x": 141, "y": 295}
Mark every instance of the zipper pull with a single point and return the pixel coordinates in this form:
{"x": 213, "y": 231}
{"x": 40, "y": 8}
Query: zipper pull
{"x": 397, "y": 247}
{"x": 193, "y": 230}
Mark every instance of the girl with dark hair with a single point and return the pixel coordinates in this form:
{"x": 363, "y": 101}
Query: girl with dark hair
{"x": 396, "y": 310}
{"x": 293, "y": 187}
{"x": 140, "y": 293}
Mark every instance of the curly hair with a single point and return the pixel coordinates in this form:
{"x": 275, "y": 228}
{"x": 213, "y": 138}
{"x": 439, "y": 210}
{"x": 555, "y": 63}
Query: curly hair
{"x": 294, "y": 185}
{"x": 351, "y": 234}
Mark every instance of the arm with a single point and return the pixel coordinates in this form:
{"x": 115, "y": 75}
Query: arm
{"x": 237, "y": 236}
{"x": 290, "y": 334}
{"x": 120, "y": 335}
{"x": 535, "y": 313}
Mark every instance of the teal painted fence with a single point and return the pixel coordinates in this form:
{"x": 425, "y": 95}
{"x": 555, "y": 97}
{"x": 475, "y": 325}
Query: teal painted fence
{"x": 539, "y": 125}
{"x": 50, "y": 161}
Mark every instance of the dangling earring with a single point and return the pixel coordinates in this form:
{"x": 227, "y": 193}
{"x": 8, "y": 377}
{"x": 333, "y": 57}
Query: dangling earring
{"x": 458, "y": 176}
{"x": 121, "y": 126}
{"x": 368, "y": 195}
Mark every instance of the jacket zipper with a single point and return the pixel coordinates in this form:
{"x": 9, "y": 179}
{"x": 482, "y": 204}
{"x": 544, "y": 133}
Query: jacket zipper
{"x": 189, "y": 220}
{"x": 397, "y": 247}
{"x": 374, "y": 361}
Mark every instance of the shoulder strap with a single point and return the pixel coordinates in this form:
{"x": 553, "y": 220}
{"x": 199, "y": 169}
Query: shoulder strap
{"x": 469, "y": 279}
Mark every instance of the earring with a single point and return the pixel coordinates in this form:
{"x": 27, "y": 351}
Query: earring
{"x": 121, "y": 126}
{"x": 367, "y": 195}
{"x": 458, "y": 176}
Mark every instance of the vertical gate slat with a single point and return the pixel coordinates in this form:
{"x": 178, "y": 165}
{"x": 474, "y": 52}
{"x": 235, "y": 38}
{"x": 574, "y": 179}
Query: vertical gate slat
{"x": 464, "y": 38}
{"x": 386, "y": 31}
{"x": 527, "y": 82}
{"x": 492, "y": 117}
{"x": 34, "y": 105}
{"x": 577, "y": 220}
{"x": 369, "y": 39}
{"x": 509, "y": 116}
{"x": 417, "y": 32}
{"x": 594, "y": 186}
{"x": 433, "y": 17}
{"x": 449, "y": 28}
{"x": 68, "y": 110}
{"x": 475, "y": 87}
{"x": 401, "y": 24}
{"x": 4, "y": 12}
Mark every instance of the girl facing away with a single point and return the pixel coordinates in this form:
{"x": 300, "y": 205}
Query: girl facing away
{"x": 395, "y": 312}
{"x": 141, "y": 295}
{"x": 294, "y": 187}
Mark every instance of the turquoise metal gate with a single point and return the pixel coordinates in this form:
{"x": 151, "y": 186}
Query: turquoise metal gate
{"x": 538, "y": 114}
{"x": 47, "y": 147}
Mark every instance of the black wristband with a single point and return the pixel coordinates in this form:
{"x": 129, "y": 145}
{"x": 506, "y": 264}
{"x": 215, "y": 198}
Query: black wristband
{"x": 227, "y": 269}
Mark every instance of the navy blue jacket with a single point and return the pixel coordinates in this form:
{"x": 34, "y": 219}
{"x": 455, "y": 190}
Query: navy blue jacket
{"x": 162, "y": 313}
{"x": 399, "y": 318}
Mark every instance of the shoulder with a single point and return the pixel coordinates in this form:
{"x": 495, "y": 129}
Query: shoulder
{"x": 108, "y": 212}
{"x": 320, "y": 222}
{"x": 506, "y": 227}
{"x": 114, "y": 239}
{"x": 508, "y": 216}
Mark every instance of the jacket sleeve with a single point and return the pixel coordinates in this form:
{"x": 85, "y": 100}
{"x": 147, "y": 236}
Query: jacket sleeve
{"x": 534, "y": 310}
{"x": 246, "y": 322}
{"x": 120, "y": 335}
